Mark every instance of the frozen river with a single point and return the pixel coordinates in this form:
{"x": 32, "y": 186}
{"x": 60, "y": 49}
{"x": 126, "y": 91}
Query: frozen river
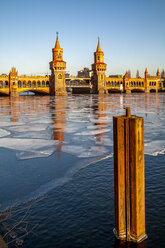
{"x": 60, "y": 150}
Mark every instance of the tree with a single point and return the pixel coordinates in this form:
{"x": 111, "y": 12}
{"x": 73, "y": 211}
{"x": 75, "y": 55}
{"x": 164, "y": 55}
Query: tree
{"x": 137, "y": 74}
{"x": 129, "y": 73}
{"x": 163, "y": 74}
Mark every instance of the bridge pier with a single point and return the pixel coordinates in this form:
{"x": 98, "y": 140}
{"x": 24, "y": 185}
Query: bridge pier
{"x": 128, "y": 91}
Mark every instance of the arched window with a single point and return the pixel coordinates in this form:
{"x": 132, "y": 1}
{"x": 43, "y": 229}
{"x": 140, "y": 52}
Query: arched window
{"x": 98, "y": 57}
{"x": 1, "y": 84}
{"x": 38, "y": 84}
{"x": 59, "y": 76}
{"x": 29, "y": 83}
{"x": 24, "y": 84}
{"x": 34, "y": 83}
{"x": 6, "y": 84}
{"x": 19, "y": 84}
{"x": 43, "y": 83}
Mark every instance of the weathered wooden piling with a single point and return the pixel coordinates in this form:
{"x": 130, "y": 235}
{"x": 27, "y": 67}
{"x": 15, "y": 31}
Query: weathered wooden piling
{"x": 128, "y": 133}
{"x": 2, "y": 243}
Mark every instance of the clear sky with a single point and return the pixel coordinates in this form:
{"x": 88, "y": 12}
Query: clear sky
{"x": 132, "y": 34}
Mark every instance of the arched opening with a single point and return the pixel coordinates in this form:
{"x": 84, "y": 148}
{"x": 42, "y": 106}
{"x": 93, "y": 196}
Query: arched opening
{"x": 47, "y": 83}
{"x": 43, "y": 83}
{"x": 19, "y": 84}
{"x": 24, "y": 84}
{"x": 34, "y": 83}
{"x": 38, "y": 84}
{"x": 60, "y": 76}
{"x": 29, "y": 84}
{"x": 152, "y": 90}
{"x": 6, "y": 84}
{"x": 1, "y": 84}
{"x": 137, "y": 91}
{"x": 114, "y": 91}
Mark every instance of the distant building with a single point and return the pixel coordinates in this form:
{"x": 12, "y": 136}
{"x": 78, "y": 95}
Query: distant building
{"x": 67, "y": 75}
{"x": 85, "y": 73}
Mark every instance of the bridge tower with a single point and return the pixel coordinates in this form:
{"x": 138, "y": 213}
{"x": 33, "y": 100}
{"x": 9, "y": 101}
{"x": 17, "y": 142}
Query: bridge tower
{"x": 57, "y": 67}
{"x": 99, "y": 68}
{"x": 146, "y": 81}
{"x": 13, "y": 84}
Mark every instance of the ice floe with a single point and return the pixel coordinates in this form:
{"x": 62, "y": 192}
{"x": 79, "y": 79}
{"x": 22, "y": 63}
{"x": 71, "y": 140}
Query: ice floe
{"x": 4, "y": 133}
{"x": 93, "y": 132}
{"x": 33, "y": 147}
{"x": 155, "y": 147}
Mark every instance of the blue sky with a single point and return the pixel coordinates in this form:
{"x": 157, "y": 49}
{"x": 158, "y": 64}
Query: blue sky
{"x": 132, "y": 34}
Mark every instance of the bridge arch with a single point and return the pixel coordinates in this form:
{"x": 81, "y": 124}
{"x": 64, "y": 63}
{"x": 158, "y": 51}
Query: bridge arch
{"x": 114, "y": 91}
{"x": 1, "y": 84}
{"x": 152, "y": 90}
{"x": 137, "y": 90}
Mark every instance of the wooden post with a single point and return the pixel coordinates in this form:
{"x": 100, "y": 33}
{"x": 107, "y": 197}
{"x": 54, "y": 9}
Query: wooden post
{"x": 128, "y": 133}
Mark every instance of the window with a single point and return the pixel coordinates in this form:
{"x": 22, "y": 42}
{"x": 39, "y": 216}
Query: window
{"x": 59, "y": 76}
{"x": 24, "y": 84}
{"x": 43, "y": 83}
{"x": 1, "y": 84}
{"x": 6, "y": 84}
{"x": 19, "y": 84}
{"x": 29, "y": 83}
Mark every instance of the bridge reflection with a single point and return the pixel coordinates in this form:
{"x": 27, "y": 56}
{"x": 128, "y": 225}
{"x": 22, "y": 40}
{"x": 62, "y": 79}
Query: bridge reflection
{"x": 123, "y": 244}
{"x": 58, "y": 113}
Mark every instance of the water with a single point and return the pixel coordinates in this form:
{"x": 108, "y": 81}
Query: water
{"x": 57, "y": 158}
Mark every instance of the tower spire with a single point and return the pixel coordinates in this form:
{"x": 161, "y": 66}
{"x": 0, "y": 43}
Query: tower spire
{"x": 98, "y": 46}
{"x": 57, "y": 45}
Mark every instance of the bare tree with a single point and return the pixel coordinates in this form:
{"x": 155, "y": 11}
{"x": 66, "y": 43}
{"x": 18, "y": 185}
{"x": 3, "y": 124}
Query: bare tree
{"x": 163, "y": 74}
{"x": 129, "y": 73}
{"x": 137, "y": 74}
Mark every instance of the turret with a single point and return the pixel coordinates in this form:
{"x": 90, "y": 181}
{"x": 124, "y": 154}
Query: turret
{"x": 57, "y": 51}
{"x": 146, "y": 73}
{"x": 57, "y": 67}
{"x": 158, "y": 73}
{"x": 99, "y": 68}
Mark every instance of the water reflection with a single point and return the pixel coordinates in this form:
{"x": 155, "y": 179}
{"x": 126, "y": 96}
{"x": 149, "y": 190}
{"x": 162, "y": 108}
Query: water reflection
{"x": 123, "y": 244}
{"x": 100, "y": 116}
{"x": 58, "y": 113}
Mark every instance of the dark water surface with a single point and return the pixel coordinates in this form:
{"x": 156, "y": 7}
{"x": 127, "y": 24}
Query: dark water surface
{"x": 56, "y": 157}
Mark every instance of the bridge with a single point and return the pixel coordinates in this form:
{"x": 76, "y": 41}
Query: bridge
{"x": 13, "y": 84}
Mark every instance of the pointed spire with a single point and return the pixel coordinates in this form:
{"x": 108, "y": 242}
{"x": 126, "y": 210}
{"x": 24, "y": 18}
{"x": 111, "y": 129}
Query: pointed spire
{"x": 98, "y": 46}
{"x": 146, "y": 70}
{"x": 158, "y": 73}
{"x": 57, "y": 45}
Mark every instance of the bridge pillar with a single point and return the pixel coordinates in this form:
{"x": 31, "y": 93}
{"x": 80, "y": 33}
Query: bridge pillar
{"x": 128, "y": 91}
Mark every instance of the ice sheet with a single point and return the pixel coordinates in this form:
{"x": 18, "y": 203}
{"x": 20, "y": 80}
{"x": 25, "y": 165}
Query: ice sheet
{"x": 93, "y": 132}
{"x": 155, "y": 147}
{"x": 4, "y": 133}
{"x": 33, "y": 147}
